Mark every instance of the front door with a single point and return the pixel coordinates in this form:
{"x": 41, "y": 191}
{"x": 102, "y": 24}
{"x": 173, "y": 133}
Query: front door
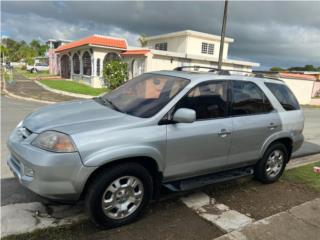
{"x": 202, "y": 146}
{"x": 65, "y": 66}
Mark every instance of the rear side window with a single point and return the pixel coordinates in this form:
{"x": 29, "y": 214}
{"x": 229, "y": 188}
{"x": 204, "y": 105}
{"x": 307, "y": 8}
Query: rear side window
{"x": 284, "y": 95}
{"x": 248, "y": 99}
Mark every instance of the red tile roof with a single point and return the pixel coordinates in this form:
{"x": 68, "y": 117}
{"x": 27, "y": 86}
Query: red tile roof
{"x": 135, "y": 52}
{"x": 298, "y": 76}
{"x": 95, "y": 40}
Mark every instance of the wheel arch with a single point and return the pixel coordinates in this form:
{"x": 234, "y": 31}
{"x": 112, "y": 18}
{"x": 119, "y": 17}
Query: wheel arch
{"x": 149, "y": 163}
{"x": 285, "y": 140}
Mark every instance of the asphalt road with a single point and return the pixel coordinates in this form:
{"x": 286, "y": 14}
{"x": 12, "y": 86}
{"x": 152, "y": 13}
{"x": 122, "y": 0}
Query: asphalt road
{"x": 12, "y": 111}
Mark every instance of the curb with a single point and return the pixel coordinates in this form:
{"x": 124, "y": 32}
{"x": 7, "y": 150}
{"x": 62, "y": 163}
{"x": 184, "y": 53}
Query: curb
{"x": 23, "y": 98}
{"x": 302, "y": 161}
{"x": 77, "y": 95}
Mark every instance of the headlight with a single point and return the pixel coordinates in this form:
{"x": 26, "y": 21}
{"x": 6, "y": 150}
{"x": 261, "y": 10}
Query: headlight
{"x": 54, "y": 141}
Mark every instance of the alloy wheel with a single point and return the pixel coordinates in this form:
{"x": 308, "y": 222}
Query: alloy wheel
{"x": 274, "y": 163}
{"x": 122, "y": 197}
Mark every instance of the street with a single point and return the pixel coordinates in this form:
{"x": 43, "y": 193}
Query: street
{"x": 13, "y": 111}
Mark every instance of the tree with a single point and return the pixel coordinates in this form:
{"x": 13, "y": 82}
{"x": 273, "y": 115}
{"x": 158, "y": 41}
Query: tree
{"x": 4, "y": 51}
{"x": 25, "y": 52}
{"x": 277, "y": 69}
{"x": 38, "y": 47}
{"x": 142, "y": 40}
{"x": 305, "y": 68}
{"x": 309, "y": 68}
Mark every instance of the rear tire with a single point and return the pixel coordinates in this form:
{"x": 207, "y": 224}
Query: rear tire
{"x": 119, "y": 195}
{"x": 270, "y": 168}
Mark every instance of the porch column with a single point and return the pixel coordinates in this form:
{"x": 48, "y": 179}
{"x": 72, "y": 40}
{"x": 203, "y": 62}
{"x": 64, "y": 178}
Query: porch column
{"x": 81, "y": 64}
{"x": 93, "y": 69}
{"x": 71, "y": 66}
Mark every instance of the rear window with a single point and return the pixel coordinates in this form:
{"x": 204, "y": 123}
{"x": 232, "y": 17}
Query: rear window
{"x": 284, "y": 96}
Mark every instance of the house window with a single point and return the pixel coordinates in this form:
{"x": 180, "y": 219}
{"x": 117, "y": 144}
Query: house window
{"x": 161, "y": 46}
{"x": 86, "y": 59}
{"x": 204, "y": 48}
{"x": 210, "y": 49}
{"x": 76, "y": 63}
{"x": 207, "y": 48}
{"x": 98, "y": 67}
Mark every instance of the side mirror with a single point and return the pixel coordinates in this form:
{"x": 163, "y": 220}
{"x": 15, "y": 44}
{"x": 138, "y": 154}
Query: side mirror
{"x": 184, "y": 115}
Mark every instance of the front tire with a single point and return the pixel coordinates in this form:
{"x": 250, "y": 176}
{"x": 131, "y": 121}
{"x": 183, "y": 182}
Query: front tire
{"x": 119, "y": 195}
{"x": 270, "y": 168}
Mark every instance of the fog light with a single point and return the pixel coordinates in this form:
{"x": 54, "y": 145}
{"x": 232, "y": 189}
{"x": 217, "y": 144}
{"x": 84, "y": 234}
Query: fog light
{"x": 28, "y": 172}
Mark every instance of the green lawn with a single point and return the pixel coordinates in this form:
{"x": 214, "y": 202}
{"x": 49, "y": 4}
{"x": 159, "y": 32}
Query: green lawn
{"x": 28, "y": 74}
{"x": 304, "y": 175}
{"x": 73, "y": 87}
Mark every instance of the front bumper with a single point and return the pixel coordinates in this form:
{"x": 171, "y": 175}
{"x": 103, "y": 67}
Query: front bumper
{"x": 59, "y": 176}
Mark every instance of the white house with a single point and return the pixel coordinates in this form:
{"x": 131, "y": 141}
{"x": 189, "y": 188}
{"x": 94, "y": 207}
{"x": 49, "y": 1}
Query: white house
{"x": 83, "y": 60}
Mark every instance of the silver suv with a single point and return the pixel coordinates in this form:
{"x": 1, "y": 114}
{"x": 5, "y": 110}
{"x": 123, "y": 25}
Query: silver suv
{"x": 176, "y": 129}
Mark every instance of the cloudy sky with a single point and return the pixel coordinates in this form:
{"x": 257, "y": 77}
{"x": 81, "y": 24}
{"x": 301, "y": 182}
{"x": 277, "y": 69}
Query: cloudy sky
{"x": 271, "y": 33}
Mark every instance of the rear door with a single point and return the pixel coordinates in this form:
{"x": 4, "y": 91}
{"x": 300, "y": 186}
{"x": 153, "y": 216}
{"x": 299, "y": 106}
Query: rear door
{"x": 202, "y": 146}
{"x": 253, "y": 120}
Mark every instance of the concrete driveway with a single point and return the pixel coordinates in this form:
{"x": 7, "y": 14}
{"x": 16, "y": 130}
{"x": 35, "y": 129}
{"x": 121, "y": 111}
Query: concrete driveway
{"x": 14, "y": 110}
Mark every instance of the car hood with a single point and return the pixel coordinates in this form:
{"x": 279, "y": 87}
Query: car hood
{"x": 76, "y": 116}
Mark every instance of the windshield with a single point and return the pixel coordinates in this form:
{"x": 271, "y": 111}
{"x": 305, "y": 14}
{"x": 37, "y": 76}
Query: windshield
{"x": 145, "y": 95}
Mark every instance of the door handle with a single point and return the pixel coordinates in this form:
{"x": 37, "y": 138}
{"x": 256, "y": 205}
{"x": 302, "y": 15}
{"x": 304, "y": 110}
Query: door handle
{"x": 272, "y": 126}
{"x": 224, "y": 133}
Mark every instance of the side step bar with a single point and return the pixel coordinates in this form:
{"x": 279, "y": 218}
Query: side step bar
{"x": 200, "y": 181}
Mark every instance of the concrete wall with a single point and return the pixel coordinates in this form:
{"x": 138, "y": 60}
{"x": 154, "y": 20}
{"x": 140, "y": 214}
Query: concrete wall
{"x": 316, "y": 89}
{"x": 315, "y": 101}
{"x": 175, "y": 44}
{"x": 302, "y": 89}
{"x": 158, "y": 62}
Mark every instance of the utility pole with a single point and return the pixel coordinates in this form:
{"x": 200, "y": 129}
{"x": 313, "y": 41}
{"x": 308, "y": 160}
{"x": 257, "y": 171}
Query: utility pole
{"x": 223, "y": 32}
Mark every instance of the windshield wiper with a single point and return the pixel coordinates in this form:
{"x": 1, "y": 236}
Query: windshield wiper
{"x": 110, "y": 103}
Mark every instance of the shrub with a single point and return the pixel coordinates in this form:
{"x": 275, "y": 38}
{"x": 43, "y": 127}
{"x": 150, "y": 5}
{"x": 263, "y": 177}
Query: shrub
{"x": 115, "y": 73}
{"x": 30, "y": 61}
{"x": 23, "y": 67}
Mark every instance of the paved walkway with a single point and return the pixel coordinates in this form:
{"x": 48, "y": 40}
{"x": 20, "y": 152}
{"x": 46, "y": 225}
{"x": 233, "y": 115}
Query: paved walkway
{"x": 299, "y": 223}
{"x": 25, "y": 87}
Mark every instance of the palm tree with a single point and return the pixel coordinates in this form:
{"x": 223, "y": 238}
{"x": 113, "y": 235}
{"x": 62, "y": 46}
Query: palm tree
{"x": 142, "y": 40}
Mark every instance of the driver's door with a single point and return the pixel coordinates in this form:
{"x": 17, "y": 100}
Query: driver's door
{"x": 202, "y": 146}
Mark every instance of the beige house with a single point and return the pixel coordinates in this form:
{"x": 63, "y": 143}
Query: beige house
{"x": 83, "y": 60}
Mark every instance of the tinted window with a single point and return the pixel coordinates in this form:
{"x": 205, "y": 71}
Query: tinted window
{"x": 209, "y": 100}
{"x": 248, "y": 98}
{"x": 284, "y": 96}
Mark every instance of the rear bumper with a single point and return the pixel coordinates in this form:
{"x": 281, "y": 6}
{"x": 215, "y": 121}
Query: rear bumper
{"x": 59, "y": 176}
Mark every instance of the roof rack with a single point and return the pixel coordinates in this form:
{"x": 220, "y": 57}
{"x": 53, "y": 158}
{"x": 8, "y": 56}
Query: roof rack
{"x": 258, "y": 74}
{"x": 211, "y": 69}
